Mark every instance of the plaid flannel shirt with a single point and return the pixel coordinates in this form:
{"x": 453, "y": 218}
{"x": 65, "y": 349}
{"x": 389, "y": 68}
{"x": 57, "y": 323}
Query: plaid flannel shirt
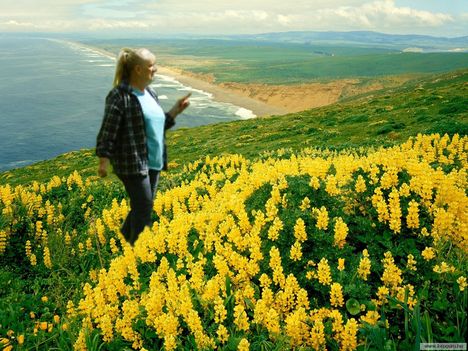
{"x": 122, "y": 137}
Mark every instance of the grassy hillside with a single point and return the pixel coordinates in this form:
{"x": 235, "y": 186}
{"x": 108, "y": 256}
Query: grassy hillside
{"x": 293, "y": 250}
{"x": 289, "y": 63}
{"x": 435, "y": 104}
{"x": 283, "y": 233}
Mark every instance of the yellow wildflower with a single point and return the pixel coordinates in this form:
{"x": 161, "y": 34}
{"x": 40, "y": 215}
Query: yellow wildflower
{"x": 223, "y": 334}
{"x": 364, "y": 268}
{"x": 349, "y": 335}
{"x": 300, "y": 231}
{"x": 411, "y": 264}
{"x": 305, "y": 204}
{"x": 240, "y": 318}
{"x": 322, "y": 218}
{"x": 336, "y": 295}
{"x": 341, "y": 264}
{"x": 412, "y": 219}
{"x": 244, "y": 345}
{"x": 47, "y": 261}
{"x": 462, "y": 283}
{"x": 323, "y": 272}
{"x": 296, "y": 251}
{"x": 395, "y": 211}
{"x": 371, "y": 317}
{"x": 275, "y": 229}
{"x": 341, "y": 232}
{"x": 443, "y": 268}
{"x": 317, "y": 335}
{"x": 360, "y": 186}
{"x": 331, "y": 186}
{"x": 428, "y": 253}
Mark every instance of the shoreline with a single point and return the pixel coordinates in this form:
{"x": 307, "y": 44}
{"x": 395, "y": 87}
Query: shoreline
{"x": 223, "y": 94}
{"x": 220, "y": 93}
{"x": 268, "y": 100}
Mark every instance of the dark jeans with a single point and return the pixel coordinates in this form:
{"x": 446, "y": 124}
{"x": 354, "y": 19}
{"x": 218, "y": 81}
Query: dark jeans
{"x": 141, "y": 190}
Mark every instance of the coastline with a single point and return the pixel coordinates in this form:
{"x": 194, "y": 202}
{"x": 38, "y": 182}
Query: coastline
{"x": 222, "y": 94}
{"x": 267, "y": 100}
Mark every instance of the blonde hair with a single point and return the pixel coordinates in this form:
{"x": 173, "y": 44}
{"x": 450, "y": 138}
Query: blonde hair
{"x": 127, "y": 60}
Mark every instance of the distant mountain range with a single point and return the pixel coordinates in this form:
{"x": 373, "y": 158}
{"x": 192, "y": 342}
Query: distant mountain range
{"x": 422, "y": 43}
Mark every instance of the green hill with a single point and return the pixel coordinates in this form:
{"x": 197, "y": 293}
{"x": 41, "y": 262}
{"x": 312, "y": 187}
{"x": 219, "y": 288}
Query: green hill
{"x": 434, "y": 104}
{"x": 273, "y": 62}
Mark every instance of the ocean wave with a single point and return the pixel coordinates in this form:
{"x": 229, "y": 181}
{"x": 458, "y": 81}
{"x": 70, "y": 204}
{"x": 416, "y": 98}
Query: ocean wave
{"x": 16, "y": 164}
{"x": 86, "y": 50}
{"x": 244, "y": 113}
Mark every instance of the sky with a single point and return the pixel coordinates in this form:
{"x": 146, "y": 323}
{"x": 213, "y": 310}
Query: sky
{"x": 446, "y": 18}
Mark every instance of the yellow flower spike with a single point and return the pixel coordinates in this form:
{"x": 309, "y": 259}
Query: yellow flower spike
{"x": 411, "y": 263}
{"x": 300, "y": 230}
{"x": 349, "y": 335}
{"x": 305, "y": 204}
{"x": 371, "y": 317}
{"x": 317, "y": 336}
{"x": 323, "y": 272}
{"x": 20, "y": 339}
{"x": 360, "y": 185}
{"x": 340, "y": 232}
{"x": 341, "y": 264}
{"x": 332, "y": 186}
{"x": 44, "y": 298}
{"x": 395, "y": 211}
{"x": 412, "y": 219}
{"x": 322, "y": 218}
{"x": 56, "y": 319}
{"x": 296, "y": 251}
{"x": 244, "y": 345}
{"x": 10, "y": 333}
{"x": 223, "y": 334}
{"x": 336, "y": 295}
{"x": 462, "y": 284}
{"x": 43, "y": 325}
{"x": 364, "y": 268}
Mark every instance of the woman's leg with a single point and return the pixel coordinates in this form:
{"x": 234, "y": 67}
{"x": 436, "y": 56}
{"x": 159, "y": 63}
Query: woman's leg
{"x": 139, "y": 190}
{"x": 154, "y": 181}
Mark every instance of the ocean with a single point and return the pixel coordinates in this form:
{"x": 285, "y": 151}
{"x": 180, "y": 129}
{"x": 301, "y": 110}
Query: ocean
{"x": 52, "y": 96}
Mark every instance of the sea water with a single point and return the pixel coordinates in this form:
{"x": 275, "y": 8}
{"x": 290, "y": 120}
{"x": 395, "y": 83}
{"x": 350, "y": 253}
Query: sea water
{"x": 52, "y": 95}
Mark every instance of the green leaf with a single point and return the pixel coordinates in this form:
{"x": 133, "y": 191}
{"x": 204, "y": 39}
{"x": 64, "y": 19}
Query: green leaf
{"x": 353, "y": 306}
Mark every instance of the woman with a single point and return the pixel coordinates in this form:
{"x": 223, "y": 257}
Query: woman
{"x": 132, "y": 135}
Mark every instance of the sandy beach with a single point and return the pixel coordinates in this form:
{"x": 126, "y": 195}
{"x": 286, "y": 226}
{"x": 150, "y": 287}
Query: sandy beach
{"x": 224, "y": 93}
{"x": 220, "y": 93}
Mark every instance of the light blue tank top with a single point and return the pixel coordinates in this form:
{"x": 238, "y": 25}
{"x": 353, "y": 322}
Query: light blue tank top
{"x": 154, "y": 124}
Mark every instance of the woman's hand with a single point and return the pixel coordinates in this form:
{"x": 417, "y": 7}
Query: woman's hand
{"x": 103, "y": 164}
{"x": 180, "y": 106}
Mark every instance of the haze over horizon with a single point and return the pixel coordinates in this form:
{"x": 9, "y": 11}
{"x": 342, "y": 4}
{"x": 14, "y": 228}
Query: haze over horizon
{"x": 208, "y": 17}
